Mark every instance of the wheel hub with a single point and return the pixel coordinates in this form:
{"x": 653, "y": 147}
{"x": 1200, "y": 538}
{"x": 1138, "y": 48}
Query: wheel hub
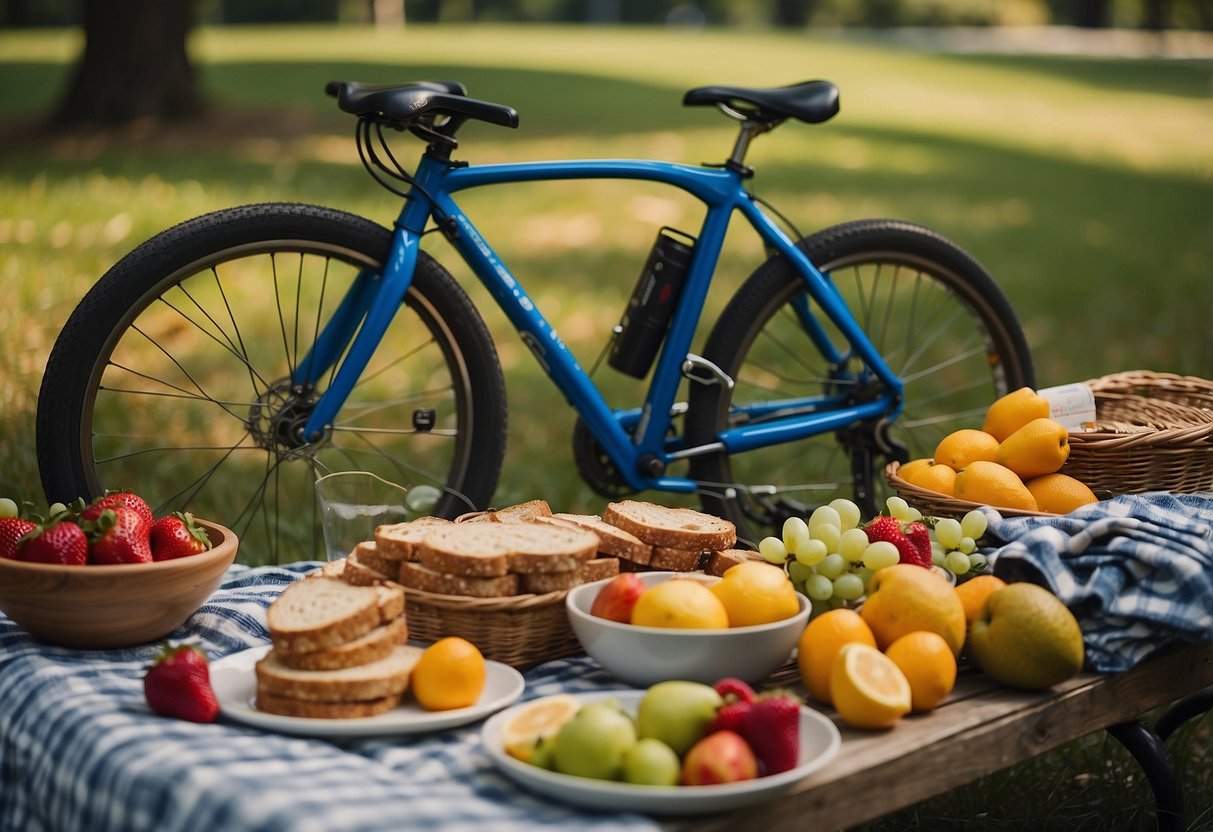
{"x": 276, "y": 420}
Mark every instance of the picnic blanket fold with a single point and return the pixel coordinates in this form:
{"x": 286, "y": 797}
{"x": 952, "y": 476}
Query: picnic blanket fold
{"x": 1136, "y": 570}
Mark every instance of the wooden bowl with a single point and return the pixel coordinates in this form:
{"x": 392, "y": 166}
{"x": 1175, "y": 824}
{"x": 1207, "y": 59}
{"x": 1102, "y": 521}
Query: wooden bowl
{"x": 120, "y": 605}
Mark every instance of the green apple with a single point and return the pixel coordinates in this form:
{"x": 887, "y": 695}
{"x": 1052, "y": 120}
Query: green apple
{"x": 593, "y": 742}
{"x": 677, "y": 713}
{"x": 650, "y": 762}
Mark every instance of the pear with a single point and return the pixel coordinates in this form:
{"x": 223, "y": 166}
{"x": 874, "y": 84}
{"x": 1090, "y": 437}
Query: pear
{"x": 1040, "y": 447}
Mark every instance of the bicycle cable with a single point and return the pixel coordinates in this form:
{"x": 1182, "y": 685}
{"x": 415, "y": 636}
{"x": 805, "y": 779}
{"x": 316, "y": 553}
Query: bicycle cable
{"x": 779, "y": 215}
{"x": 379, "y": 170}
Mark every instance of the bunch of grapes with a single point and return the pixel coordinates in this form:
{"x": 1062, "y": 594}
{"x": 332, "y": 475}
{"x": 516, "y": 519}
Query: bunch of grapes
{"x": 830, "y": 559}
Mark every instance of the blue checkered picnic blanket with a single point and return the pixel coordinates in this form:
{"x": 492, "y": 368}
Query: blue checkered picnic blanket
{"x": 1136, "y": 570}
{"x": 80, "y": 750}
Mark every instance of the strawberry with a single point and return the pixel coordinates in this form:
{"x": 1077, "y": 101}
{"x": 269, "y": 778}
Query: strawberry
{"x": 772, "y": 729}
{"x": 178, "y": 684}
{"x": 730, "y": 716}
{"x": 176, "y": 535}
{"x": 59, "y": 541}
{"x": 889, "y": 529}
{"x": 113, "y": 499}
{"x": 921, "y": 539}
{"x": 12, "y": 529}
{"x": 119, "y": 535}
{"x": 733, "y": 690}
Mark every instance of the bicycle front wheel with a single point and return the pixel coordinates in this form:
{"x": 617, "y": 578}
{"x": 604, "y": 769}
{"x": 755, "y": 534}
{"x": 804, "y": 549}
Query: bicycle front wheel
{"x": 174, "y": 378}
{"x": 936, "y": 316}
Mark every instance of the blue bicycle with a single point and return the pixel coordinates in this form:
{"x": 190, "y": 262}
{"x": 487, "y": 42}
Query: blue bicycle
{"x": 244, "y": 353}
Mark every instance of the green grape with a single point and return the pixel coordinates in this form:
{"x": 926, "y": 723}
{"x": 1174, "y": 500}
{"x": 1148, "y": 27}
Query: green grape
{"x": 817, "y": 607}
{"x": 829, "y": 535}
{"x": 898, "y": 507}
{"x": 795, "y": 533}
{"x": 967, "y": 545}
{"x": 851, "y": 545}
{"x": 55, "y": 509}
{"x": 8, "y": 508}
{"x": 848, "y": 587}
{"x": 848, "y": 512}
{"x": 812, "y": 553}
{"x": 915, "y": 515}
{"x": 937, "y": 556}
{"x": 798, "y": 572}
{"x": 421, "y": 499}
{"x": 823, "y": 516}
{"x": 819, "y": 588}
{"x": 773, "y": 550}
{"x": 978, "y": 562}
{"x": 832, "y": 566}
{"x": 974, "y": 524}
{"x": 880, "y": 554}
{"x": 948, "y": 532}
{"x": 956, "y": 563}
{"x": 837, "y": 603}
{"x": 865, "y": 574}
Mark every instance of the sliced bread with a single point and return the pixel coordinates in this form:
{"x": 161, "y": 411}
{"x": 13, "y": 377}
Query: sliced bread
{"x": 668, "y": 559}
{"x": 718, "y": 563}
{"x": 612, "y": 540}
{"x": 592, "y": 570}
{"x": 521, "y": 512}
{"x": 417, "y": 576}
{"x": 398, "y": 541}
{"x": 288, "y": 706}
{"x": 320, "y": 612}
{"x": 673, "y": 528}
{"x": 372, "y": 647}
{"x": 388, "y": 676}
{"x": 485, "y": 550}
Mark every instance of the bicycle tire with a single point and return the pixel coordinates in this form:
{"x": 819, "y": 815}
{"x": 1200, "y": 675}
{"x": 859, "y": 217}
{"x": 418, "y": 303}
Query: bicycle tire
{"x": 178, "y": 361}
{"x": 907, "y": 286}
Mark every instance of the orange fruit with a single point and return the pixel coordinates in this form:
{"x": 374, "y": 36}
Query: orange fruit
{"x": 754, "y": 592}
{"x": 449, "y": 674}
{"x": 910, "y": 470}
{"x": 936, "y": 477}
{"x": 680, "y": 603}
{"x": 868, "y": 689}
{"x": 1014, "y": 410}
{"x": 929, "y": 666}
{"x": 974, "y": 592}
{"x": 1039, "y": 447}
{"x": 540, "y": 720}
{"x": 820, "y": 643}
{"x": 1060, "y": 493}
{"x": 995, "y": 485}
{"x": 962, "y": 447}
{"x": 903, "y": 598}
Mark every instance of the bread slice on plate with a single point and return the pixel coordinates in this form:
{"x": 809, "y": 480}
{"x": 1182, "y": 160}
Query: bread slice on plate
{"x": 372, "y": 647}
{"x": 307, "y": 709}
{"x": 376, "y": 680}
{"x": 672, "y": 528}
{"x": 319, "y": 612}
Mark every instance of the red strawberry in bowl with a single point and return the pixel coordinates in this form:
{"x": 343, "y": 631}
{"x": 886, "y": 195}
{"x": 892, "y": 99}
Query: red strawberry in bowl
{"x": 920, "y": 537}
{"x": 12, "y": 529}
{"x": 60, "y": 540}
{"x": 114, "y": 499}
{"x": 120, "y": 535}
{"x": 890, "y": 530}
{"x": 178, "y": 685}
{"x": 177, "y": 535}
{"x": 772, "y": 729}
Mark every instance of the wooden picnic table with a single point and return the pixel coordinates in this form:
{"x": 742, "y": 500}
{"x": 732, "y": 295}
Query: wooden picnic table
{"x": 984, "y": 727}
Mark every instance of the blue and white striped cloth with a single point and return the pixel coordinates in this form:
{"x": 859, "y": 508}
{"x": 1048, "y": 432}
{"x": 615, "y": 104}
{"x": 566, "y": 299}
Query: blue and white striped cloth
{"x": 80, "y": 750}
{"x": 1136, "y": 570}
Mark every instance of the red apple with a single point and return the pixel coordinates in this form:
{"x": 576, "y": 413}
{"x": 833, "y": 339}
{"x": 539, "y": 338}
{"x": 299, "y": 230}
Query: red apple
{"x": 616, "y": 599}
{"x": 722, "y": 757}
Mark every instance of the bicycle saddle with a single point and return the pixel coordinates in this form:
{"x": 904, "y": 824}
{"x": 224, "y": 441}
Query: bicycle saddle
{"x": 415, "y": 100}
{"x": 809, "y": 101}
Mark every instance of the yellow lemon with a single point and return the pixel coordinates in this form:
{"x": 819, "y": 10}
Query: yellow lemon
{"x": 995, "y": 485}
{"x": 908, "y": 471}
{"x": 1040, "y": 447}
{"x": 974, "y": 592}
{"x": 1014, "y": 410}
{"x": 903, "y": 598}
{"x": 965, "y": 446}
{"x": 756, "y": 593}
{"x": 449, "y": 674}
{"x": 819, "y": 645}
{"x": 929, "y": 666}
{"x": 680, "y": 603}
{"x": 868, "y": 689}
{"x": 935, "y": 477}
{"x": 1060, "y": 493}
{"x": 538, "y": 721}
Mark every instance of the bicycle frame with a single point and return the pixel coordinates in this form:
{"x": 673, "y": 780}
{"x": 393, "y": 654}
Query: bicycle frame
{"x": 638, "y": 440}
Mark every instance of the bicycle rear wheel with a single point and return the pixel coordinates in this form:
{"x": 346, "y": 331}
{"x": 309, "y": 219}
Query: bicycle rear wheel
{"x": 173, "y": 377}
{"x": 940, "y": 322}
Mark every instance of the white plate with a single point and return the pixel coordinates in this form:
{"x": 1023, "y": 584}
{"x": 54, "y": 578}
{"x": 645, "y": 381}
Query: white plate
{"x": 819, "y": 742}
{"x": 235, "y": 684}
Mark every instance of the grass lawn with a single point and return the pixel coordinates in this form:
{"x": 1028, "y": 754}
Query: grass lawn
{"x": 1085, "y": 185}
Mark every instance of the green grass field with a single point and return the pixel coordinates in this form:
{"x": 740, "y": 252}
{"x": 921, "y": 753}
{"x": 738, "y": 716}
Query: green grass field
{"x": 1085, "y": 185}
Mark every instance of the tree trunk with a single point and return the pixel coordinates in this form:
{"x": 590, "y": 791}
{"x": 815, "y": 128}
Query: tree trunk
{"x": 1091, "y": 14}
{"x": 135, "y": 65}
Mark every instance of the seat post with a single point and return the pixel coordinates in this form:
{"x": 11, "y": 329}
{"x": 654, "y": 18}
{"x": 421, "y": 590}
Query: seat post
{"x": 749, "y": 129}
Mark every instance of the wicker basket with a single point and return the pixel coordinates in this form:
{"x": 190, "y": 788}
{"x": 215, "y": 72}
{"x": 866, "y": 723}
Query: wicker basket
{"x": 934, "y": 504}
{"x": 518, "y": 630}
{"x": 1153, "y": 432}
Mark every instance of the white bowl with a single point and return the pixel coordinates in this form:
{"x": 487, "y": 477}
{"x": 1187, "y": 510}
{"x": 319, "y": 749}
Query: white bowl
{"x": 644, "y": 656}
